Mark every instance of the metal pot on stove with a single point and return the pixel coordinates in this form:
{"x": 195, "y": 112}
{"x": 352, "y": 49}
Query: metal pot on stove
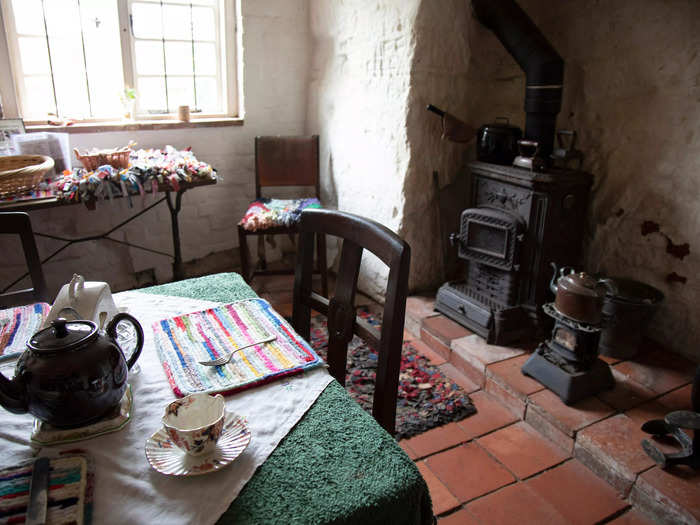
{"x": 498, "y": 142}
{"x": 579, "y": 296}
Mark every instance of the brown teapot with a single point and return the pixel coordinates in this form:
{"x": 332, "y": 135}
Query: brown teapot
{"x": 579, "y": 296}
{"x": 71, "y": 373}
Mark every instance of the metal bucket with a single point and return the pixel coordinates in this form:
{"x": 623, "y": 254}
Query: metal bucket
{"x": 627, "y": 313}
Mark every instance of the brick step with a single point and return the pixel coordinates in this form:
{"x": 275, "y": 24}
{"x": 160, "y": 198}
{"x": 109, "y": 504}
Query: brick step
{"x": 603, "y": 431}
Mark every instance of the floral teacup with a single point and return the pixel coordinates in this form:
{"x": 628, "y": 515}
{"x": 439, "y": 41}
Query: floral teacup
{"x": 194, "y": 423}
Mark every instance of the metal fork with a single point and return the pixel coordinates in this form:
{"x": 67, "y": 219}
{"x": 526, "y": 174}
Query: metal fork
{"x": 225, "y": 359}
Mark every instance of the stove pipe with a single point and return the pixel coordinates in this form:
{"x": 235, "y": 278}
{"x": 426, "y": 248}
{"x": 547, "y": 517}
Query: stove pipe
{"x": 543, "y": 67}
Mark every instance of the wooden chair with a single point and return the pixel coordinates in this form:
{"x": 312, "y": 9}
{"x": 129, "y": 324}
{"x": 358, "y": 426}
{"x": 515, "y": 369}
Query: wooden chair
{"x": 283, "y": 161}
{"x": 18, "y": 223}
{"x": 358, "y": 234}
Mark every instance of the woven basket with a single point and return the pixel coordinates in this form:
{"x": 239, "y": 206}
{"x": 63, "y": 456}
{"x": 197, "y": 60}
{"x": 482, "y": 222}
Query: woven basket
{"x": 20, "y": 174}
{"x": 117, "y": 158}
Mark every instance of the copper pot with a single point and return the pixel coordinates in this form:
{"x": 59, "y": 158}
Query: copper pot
{"x": 579, "y": 296}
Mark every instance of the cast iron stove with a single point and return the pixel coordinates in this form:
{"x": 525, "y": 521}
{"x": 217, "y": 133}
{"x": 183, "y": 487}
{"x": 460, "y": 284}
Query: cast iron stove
{"x": 568, "y": 363}
{"x": 520, "y": 221}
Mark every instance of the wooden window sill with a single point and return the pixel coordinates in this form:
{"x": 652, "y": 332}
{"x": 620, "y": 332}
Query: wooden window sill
{"x": 100, "y": 127}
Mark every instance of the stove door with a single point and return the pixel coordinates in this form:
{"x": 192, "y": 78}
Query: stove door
{"x": 492, "y": 237}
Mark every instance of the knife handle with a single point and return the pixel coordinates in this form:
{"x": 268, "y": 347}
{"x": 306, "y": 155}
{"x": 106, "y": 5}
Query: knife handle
{"x": 38, "y": 492}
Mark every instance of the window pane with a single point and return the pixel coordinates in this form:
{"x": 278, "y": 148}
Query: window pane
{"x": 203, "y": 23}
{"x": 84, "y": 54}
{"x": 39, "y": 94}
{"x": 205, "y": 58}
{"x": 103, "y": 56}
{"x": 178, "y": 58}
{"x": 29, "y": 18}
{"x": 62, "y": 17}
{"x": 176, "y": 22}
{"x": 149, "y": 57}
{"x": 151, "y": 94}
{"x": 207, "y": 95}
{"x": 146, "y": 19}
{"x": 34, "y": 56}
{"x": 69, "y": 75}
{"x": 180, "y": 92}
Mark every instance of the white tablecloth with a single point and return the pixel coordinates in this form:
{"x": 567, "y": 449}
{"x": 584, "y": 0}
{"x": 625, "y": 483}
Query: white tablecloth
{"x": 127, "y": 490}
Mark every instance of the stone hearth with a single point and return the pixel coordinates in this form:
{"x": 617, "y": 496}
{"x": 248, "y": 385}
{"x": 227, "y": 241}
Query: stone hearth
{"x": 601, "y": 432}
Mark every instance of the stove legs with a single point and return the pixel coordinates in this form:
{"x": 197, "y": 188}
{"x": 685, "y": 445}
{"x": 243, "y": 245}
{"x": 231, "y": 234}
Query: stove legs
{"x": 570, "y": 385}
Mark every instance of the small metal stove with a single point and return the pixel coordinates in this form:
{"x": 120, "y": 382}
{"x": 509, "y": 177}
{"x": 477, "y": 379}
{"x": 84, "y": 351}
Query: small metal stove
{"x": 568, "y": 363}
{"x": 520, "y": 221}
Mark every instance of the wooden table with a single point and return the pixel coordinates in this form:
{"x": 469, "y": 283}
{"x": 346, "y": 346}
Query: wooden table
{"x": 174, "y": 208}
{"x": 337, "y": 465}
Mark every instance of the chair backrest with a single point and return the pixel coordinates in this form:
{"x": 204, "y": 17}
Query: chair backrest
{"x": 286, "y": 161}
{"x": 18, "y": 223}
{"x": 358, "y": 234}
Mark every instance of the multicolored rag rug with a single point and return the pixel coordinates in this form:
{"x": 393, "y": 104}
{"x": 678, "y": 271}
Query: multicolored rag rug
{"x": 185, "y": 340}
{"x": 269, "y": 213}
{"x": 426, "y": 397}
{"x": 17, "y": 325}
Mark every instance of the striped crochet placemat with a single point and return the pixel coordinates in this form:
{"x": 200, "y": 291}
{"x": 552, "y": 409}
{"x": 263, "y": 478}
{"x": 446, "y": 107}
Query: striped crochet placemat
{"x": 17, "y": 325}
{"x": 184, "y": 340}
{"x": 70, "y": 491}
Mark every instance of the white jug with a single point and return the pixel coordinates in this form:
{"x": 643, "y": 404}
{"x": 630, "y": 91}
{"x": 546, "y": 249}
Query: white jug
{"x": 80, "y": 299}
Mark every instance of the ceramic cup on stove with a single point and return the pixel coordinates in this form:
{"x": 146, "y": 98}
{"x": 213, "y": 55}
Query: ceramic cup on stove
{"x": 194, "y": 423}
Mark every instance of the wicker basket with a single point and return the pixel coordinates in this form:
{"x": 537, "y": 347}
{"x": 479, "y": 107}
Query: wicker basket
{"x": 20, "y": 174}
{"x": 117, "y": 158}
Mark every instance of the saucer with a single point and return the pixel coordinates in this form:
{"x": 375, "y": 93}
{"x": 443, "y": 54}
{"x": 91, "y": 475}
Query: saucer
{"x": 167, "y": 459}
{"x": 44, "y": 434}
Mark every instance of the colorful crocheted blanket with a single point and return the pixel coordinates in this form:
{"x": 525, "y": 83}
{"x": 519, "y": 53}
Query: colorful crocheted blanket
{"x": 148, "y": 170}
{"x": 42, "y": 192}
{"x": 70, "y": 490}
{"x": 17, "y": 325}
{"x": 185, "y": 340}
{"x": 269, "y": 213}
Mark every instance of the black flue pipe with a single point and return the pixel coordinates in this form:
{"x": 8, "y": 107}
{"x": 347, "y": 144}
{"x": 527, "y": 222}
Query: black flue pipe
{"x": 543, "y": 67}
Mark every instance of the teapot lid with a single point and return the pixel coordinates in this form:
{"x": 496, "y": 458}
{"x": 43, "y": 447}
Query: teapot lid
{"x": 580, "y": 283}
{"x": 63, "y": 335}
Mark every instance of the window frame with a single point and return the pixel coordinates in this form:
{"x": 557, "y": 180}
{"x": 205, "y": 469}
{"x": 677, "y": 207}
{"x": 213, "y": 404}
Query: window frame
{"x": 228, "y": 36}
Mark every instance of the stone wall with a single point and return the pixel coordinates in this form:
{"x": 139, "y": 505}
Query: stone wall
{"x": 375, "y": 67}
{"x": 360, "y": 79}
{"x": 631, "y": 91}
{"x": 276, "y": 52}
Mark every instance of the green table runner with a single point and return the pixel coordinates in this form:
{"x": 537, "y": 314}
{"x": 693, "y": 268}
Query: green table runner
{"x": 337, "y": 465}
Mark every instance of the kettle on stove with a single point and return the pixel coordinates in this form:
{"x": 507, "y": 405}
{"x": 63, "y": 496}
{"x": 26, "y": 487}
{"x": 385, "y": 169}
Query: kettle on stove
{"x": 578, "y": 295}
{"x": 81, "y": 299}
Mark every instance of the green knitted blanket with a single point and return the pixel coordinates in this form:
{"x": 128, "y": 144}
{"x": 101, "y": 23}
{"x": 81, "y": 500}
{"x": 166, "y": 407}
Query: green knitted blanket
{"x": 337, "y": 465}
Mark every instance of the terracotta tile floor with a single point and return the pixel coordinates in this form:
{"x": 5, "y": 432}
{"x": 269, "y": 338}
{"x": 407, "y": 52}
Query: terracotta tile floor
{"x": 494, "y": 468}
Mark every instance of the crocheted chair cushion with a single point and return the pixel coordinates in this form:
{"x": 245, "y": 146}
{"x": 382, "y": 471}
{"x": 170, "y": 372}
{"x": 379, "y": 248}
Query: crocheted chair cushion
{"x": 263, "y": 214}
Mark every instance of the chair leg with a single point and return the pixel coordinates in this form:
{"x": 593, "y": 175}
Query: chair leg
{"x": 262, "y": 261}
{"x": 243, "y": 249}
{"x": 323, "y": 267}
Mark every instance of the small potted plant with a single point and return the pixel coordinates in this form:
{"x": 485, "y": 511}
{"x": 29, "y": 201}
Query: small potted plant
{"x": 128, "y": 99}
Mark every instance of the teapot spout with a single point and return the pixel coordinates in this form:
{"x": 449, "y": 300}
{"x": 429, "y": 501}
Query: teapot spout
{"x": 13, "y": 397}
